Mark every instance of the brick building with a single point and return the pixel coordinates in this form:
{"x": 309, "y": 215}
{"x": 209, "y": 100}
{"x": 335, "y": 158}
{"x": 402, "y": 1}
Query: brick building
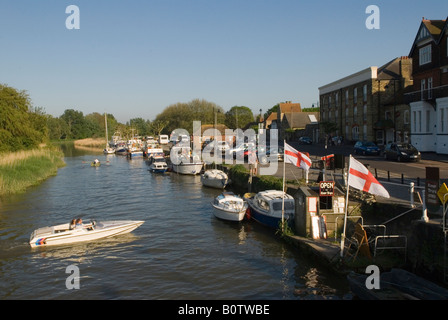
{"x": 429, "y": 97}
{"x": 368, "y": 105}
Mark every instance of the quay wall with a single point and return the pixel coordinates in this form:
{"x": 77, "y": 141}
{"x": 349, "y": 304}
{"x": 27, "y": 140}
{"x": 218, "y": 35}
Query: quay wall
{"x": 425, "y": 240}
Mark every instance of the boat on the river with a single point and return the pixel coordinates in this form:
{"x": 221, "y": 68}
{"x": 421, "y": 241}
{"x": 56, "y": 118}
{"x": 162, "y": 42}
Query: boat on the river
{"x": 396, "y": 284}
{"x": 95, "y": 163}
{"x": 183, "y": 161}
{"x": 266, "y": 207}
{"x": 66, "y": 234}
{"x": 157, "y": 164}
{"x": 228, "y": 206}
{"x": 215, "y": 178}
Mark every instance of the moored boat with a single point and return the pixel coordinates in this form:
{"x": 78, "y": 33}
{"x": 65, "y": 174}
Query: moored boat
{"x": 183, "y": 162}
{"x": 158, "y": 164}
{"x": 228, "y": 206}
{"x": 266, "y": 207}
{"x": 65, "y": 234}
{"x": 215, "y": 179}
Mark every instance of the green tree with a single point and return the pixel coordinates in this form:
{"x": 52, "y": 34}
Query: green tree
{"x": 57, "y": 128}
{"x": 181, "y": 115}
{"x": 238, "y": 117}
{"x": 21, "y": 126}
{"x": 78, "y": 127}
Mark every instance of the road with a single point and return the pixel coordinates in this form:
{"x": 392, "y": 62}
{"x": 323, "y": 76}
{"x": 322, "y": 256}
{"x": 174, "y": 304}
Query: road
{"x": 412, "y": 170}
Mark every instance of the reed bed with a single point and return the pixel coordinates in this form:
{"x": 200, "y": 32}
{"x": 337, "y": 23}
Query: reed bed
{"x": 22, "y": 169}
{"x": 91, "y": 142}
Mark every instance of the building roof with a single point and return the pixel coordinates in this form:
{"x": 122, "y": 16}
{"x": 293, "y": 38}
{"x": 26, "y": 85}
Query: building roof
{"x": 429, "y": 29}
{"x": 288, "y": 107}
{"x": 300, "y": 120}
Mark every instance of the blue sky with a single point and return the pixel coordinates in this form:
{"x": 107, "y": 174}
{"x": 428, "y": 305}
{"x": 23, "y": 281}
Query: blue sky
{"x": 134, "y": 58}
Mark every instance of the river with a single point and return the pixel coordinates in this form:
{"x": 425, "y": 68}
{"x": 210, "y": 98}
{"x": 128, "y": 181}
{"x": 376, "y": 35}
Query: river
{"x": 181, "y": 251}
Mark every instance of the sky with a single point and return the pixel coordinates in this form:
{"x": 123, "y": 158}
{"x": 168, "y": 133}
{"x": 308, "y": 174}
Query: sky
{"x": 134, "y": 58}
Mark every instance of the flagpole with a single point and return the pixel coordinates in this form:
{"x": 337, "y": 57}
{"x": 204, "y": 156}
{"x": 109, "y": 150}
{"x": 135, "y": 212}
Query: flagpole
{"x": 283, "y": 195}
{"x": 345, "y": 212}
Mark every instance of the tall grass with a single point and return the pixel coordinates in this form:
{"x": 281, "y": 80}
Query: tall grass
{"x": 91, "y": 142}
{"x": 22, "y": 169}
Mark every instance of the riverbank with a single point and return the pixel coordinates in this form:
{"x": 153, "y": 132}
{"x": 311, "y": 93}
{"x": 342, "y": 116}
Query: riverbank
{"x": 23, "y": 169}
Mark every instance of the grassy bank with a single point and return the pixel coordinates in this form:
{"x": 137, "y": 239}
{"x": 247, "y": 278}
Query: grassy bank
{"x": 20, "y": 170}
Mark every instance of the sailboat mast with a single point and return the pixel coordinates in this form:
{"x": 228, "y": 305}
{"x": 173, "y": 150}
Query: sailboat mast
{"x": 105, "y": 121}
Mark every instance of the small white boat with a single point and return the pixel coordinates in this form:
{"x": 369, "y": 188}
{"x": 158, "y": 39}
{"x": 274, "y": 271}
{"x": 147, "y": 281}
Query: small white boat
{"x": 215, "y": 179}
{"x": 63, "y": 234}
{"x": 158, "y": 164}
{"x": 184, "y": 162}
{"x": 228, "y": 206}
{"x": 266, "y": 207}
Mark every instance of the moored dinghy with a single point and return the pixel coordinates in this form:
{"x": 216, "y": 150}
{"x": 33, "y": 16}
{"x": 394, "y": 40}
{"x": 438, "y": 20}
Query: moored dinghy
{"x": 215, "y": 179}
{"x": 66, "y": 234}
{"x": 228, "y": 206}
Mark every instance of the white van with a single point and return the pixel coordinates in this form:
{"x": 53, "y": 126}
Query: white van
{"x": 164, "y": 139}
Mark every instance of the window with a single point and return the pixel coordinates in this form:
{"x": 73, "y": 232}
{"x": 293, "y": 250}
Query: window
{"x": 364, "y": 114}
{"x": 355, "y": 113}
{"x": 442, "y": 120}
{"x": 337, "y": 98}
{"x": 419, "y": 121}
{"x": 346, "y": 97}
{"x": 364, "y": 93}
{"x": 355, "y": 133}
{"x": 429, "y": 88}
{"x": 355, "y": 95}
{"x": 364, "y": 132}
{"x": 406, "y": 117}
{"x": 414, "y": 126}
{"x": 425, "y": 55}
{"x": 346, "y": 113}
{"x": 423, "y": 88}
{"x": 329, "y": 101}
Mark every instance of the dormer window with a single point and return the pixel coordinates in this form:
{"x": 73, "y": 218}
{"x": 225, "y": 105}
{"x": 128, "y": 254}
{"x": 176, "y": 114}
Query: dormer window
{"x": 425, "y": 55}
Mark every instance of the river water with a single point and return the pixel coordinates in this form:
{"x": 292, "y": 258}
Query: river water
{"x": 181, "y": 251}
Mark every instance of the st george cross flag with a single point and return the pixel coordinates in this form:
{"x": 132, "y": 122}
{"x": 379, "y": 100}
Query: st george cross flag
{"x": 296, "y": 158}
{"x": 362, "y": 179}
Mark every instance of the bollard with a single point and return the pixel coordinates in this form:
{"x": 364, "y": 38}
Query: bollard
{"x": 424, "y": 210}
{"x": 411, "y": 191}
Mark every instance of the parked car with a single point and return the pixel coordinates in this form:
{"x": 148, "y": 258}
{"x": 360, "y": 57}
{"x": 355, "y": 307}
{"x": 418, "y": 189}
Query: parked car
{"x": 240, "y": 149}
{"x": 366, "y": 148}
{"x": 401, "y": 152}
{"x": 305, "y": 140}
{"x": 277, "y": 152}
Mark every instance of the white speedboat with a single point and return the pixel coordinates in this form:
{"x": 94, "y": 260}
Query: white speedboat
{"x": 158, "y": 164}
{"x": 215, "y": 179}
{"x": 184, "y": 161}
{"x": 266, "y": 207}
{"x": 63, "y": 234}
{"x": 228, "y": 206}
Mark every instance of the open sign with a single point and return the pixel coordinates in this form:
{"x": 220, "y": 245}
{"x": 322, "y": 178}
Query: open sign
{"x": 326, "y": 188}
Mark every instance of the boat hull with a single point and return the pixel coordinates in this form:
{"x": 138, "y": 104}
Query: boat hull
{"x": 265, "y": 218}
{"x": 59, "y": 235}
{"x": 229, "y": 215}
{"x": 215, "y": 179}
{"x": 188, "y": 168}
